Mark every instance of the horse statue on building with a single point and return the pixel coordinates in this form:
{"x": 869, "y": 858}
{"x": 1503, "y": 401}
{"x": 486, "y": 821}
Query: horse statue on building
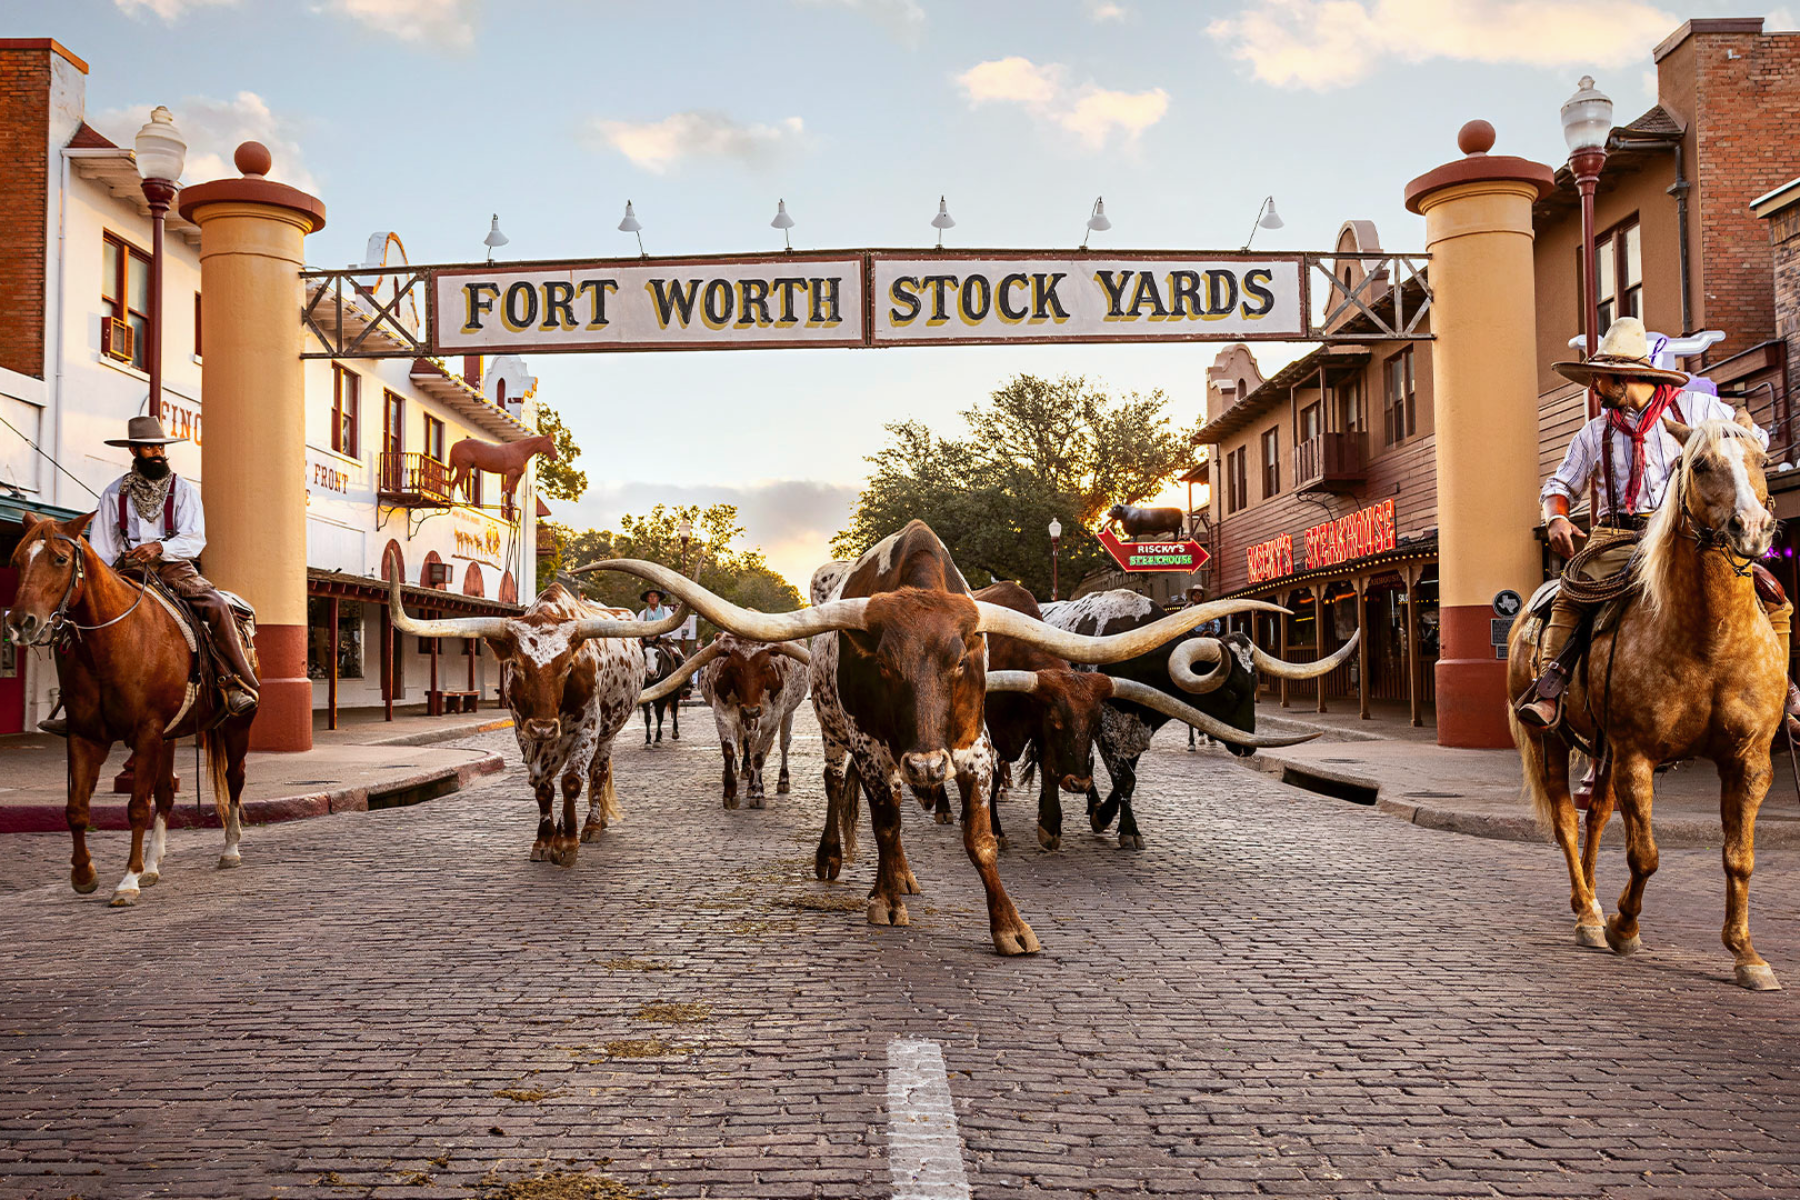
{"x": 131, "y": 670}
{"x": 1685, "y": 665}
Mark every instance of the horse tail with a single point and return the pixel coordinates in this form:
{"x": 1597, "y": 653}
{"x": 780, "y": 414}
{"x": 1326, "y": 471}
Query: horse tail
{"x": 1536, "y": 767}
{"x": 218, "y": 762}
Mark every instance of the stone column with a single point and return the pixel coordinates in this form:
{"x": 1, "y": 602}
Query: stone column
{"x": 1484, "y": 369}
{"x": 253, "y": 459}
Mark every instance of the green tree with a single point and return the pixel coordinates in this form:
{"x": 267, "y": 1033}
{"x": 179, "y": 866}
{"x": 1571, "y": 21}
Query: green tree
{"x": 559, "y": 479}
{"x": 1038, "y": 449}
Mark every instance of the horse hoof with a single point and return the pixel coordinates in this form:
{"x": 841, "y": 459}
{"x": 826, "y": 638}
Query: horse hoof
{"x": 1131, "y": 841}
{"x": 123, "y": 898}
{"x": 676, "y": 736}
{"x": 1623, "y": 946}
{"x": 943, "y": 817}
{"x": 148, "y": 879}
{"x": 1591, "y": 936}
{"x": 1758, "y": 977}
{"x": 229, "y": 861}
{"x": 1049, "y": 841}
{"x": 1016, "y": 941}
{"x": 84, "y": 884}
{"x": 881, "y": 912}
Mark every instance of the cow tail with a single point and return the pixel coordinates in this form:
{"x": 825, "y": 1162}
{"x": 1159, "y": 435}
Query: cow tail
{"x": 850, "y": 812}
{"x": 609, "y": 797}
{"x": 218, "y": 761}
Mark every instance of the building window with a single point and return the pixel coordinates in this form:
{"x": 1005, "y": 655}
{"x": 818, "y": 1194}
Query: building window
{"x": 472, "y": 488}
{"x": 1400, "y": 411}
{"x": 1309, "y": 421}
{"x": 346, "y": 389}
{"x": 393, "y": 424}
{"x": 1237, "y": 490}
{"x": 434, "y": 438}
{"x": 125, "y": 292}
{"x": 1619, "y": 273}
{"x": 196, "y": 325}
{"x": 1271, "y": 462}
{"x": 318, "y": 640}
{"x": 1349, "y": 406}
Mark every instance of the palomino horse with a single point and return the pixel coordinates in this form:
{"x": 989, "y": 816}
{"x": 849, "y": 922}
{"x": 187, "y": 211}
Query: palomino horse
{"x": 1691, "y": 669}
{"x": 123, "y": 665}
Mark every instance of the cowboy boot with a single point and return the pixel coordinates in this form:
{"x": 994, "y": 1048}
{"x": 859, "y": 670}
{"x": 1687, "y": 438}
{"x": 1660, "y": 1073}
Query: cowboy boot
{"x": 240, "y": 686}
{"x": 1792, "y": 717}
{"x": 57, "y": 726}
{"x": 1541, "y": 706}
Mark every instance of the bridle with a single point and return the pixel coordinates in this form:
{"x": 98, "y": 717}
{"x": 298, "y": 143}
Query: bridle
{"x": 1705, "y": 536}
{"x": 61, "y": 624}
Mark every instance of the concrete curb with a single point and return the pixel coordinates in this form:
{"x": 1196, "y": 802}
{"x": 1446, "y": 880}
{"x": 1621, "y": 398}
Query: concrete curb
{"x": 398, "y": 793}
{"x": 433, "y": 736}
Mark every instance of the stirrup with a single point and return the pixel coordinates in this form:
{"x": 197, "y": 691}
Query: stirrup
{"x": 240, "y": 698}
{"x": 1529, "y": 712}
{"x": 55, "y": 726}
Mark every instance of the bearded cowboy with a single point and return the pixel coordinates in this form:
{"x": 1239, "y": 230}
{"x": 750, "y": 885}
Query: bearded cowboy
{"x": 150, "y": 520}
{"x": 1634, "y": 456}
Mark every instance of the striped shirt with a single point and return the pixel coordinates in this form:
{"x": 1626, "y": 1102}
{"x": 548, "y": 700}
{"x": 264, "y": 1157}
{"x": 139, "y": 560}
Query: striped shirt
{"x": 1661, "y": 453}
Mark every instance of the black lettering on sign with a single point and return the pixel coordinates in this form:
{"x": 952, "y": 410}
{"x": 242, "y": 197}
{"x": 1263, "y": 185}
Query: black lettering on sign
{"x": 1043, "y": 291}
{"x": 1221, "y": 294}
{"x": 1007, "y": 312}
{"x": 1115, "y": 293}
{"x": 754, "y": 294}
{"x": 671, "y": 300}
{"x": 1255, "y": 284}
{"x": 718, "y": 303}
{"x": 975, "y": 299}
{"x": 478, "y": 298}
{"x": 825, "y": 301}
{"x": 1146, "y": 293}
{"x": 904, "y": 292}
{"x": 1184, "y": 294}
{"x": 596, "y": 290}
{"x": 937, "y": 283}
{"x": 789, "y": 285}
{"x": 559, "y": 305}
{"x": 520, "y": 308}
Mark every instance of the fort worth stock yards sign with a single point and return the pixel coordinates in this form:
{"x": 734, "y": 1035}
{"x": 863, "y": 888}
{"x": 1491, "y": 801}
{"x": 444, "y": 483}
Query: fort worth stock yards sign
{"x": 862, "y": 298}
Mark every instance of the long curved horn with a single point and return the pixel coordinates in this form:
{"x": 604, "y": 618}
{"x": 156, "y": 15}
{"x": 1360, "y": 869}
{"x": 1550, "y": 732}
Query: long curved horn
{"x": 1012, "y": 681}
{"x": 465, "y": 627}
{"x": 1183, "y": 657}
{"x": 613, "y": 627}
{"x": 1212, "y": 727}
{"x": 745, "y": 622}
{"x": 799, "y": 654}
{"x": 671, "y": 685}
{"x": 1312, "y": 670}
{"x": 1080, "y": 648}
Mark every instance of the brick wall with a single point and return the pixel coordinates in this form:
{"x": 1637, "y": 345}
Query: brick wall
{"x": 24, "y": 149}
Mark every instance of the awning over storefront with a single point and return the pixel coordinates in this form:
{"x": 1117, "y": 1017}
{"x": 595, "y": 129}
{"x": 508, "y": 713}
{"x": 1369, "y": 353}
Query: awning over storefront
{"x": 13, "y": 510}
{"x": 1417, "y": 550}
{"x": 375, "y": 591}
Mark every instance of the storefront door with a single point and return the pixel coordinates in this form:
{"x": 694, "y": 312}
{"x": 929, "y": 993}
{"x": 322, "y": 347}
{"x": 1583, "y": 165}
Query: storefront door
{"x": 12, "y": 665}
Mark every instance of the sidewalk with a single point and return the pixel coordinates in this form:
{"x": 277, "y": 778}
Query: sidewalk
{"x": 1404, "y": 772}
{"x": 366, "y": 763}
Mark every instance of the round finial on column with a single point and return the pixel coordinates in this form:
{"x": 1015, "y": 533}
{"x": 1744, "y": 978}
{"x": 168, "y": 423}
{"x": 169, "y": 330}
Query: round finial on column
{"x": 253, "y": 160}
{"x": 1477, "y": 137}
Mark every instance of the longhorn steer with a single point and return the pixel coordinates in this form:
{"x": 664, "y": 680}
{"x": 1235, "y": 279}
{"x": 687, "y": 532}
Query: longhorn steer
{"x": 572, "y": 672}
{"x": 1227, "y": 694}
{"x": 899, "y": 680}
{"x": 1145, "y": 522}
{"x": 754, "y": 689}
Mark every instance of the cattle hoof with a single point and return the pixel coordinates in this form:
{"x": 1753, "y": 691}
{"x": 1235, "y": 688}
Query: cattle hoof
{"x": 783, "y": 787}
{"x": 676, "y": 736}
{"x": 943, "y": 816}
{"x": 1131, "y": 841}
{"x": 881, "y": 912}
{"x": 1016, "y": 941}
{"x": 1000, "y": 844}
{"x": 1049, "y": 841}
{"x": 758, "y": 801}
{"x": 911, "y": 883}
{"x": 564, "y": 852}
{"x": 148, "y": 879}
{"x": 1098, "y": 825}
{"x": 1620, "y": 945}
{"x": 1591, "y": 936}
{"x": 826, "y": 865}
{"x": 84, "y": 880}
{"x": 1758, "y": 977}
{"x": 540, "y": 850}
{"x": 731, "y": 800}
{"x": 123, "y": 898}
{"x": 592, "y": 831}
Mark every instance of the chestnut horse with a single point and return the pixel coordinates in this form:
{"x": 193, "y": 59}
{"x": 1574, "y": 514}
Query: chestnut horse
{"x": 123, "y": 665}
{"x": 1691, "y": 669}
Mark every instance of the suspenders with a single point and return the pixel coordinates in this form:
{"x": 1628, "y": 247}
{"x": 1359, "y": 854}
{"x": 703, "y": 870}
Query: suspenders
{"x": 125, "y": 515}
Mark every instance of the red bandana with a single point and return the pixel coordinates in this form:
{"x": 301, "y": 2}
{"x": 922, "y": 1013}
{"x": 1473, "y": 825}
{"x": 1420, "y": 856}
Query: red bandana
{"x": 1649, "y": 419}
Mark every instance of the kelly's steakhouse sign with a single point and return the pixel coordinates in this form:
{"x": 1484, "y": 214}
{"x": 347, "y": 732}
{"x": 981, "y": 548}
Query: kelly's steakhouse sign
{"x": 863, "y": 299}
{"x": 1363, "y": 532}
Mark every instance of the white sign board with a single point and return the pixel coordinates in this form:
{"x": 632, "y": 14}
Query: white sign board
{"x": 941, "y": 299}
{"x": 665, "y": 304}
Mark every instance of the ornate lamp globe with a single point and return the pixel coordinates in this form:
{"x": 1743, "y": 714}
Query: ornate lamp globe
{"x": 161, "y": 150}
{"x": 1587, "y": 117}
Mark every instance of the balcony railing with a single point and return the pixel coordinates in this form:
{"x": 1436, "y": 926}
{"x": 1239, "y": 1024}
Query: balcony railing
{"x": 1329, "y": 462}
{"x": 412, "y": 480}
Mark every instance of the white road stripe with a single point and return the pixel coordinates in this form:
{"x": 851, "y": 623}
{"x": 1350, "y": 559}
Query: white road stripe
{"x": 924, "y": 1151}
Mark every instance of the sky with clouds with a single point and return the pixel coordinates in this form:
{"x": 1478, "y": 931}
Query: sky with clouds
{"x": 426, "y": 116}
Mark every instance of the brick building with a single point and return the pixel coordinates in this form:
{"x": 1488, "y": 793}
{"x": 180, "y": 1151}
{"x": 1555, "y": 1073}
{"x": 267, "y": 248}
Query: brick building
{"x": 1324, "y": 491}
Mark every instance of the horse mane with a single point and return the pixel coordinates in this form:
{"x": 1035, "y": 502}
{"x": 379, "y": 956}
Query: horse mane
{"x": 1657, "y": 552}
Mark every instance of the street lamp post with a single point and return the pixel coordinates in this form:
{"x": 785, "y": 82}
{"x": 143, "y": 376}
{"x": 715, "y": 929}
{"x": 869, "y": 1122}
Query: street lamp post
{"x": 160, "y": 151}
{"x": 686, "y": 532}
{"x": 1055, "y": 544}
{"x": 1587, "y": 123}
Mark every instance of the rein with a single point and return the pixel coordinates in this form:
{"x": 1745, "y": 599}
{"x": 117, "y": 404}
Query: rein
{"x": 59, "y": 617}
{"x": 1705, "y": 536}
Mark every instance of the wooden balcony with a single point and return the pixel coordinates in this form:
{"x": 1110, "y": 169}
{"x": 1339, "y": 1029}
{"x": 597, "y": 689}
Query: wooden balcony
{"x": 1330, "y": 462}
{"x": 411, "y": 480}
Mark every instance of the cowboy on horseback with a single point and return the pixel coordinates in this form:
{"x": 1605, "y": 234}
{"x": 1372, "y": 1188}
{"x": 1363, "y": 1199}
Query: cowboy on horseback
{"x": 150, "y": 521}
{"x": 1635, "y": 457}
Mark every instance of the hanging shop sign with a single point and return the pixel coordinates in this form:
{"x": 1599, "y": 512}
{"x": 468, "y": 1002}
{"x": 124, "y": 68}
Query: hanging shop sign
{"x": 1186, "y": 556}
{"x": 1363, "y": 532}
{"x": 1271, "y": 559}
{"x": 477, "y": 537}
{"x": 764, "y": 302}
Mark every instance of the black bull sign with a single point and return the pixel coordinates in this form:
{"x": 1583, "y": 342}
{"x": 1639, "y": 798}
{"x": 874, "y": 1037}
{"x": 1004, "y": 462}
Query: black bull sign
{"x": 864, "y": 299}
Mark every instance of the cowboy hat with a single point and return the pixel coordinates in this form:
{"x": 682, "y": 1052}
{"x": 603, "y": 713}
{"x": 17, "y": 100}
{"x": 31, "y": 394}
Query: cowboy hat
{"x": 144, "y": 431}
{"x": 644, "y": 596}
{"x": 1624, "y": 353}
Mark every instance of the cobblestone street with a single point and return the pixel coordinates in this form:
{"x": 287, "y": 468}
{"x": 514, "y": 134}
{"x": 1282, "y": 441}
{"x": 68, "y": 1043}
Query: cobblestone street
{"x": 1283, "y": 994}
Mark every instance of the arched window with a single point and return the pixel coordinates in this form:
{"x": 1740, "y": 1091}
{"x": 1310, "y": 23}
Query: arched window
{"x": 509, "y": 589}
{"x": 500, "y": 391}
{"x": 392, "y": 558}
{"x": 472, "y": 582}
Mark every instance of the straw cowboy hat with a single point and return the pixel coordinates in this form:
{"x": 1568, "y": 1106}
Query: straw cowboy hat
{"x": 1624, "y": 353}
{"x": 144, "y": 431}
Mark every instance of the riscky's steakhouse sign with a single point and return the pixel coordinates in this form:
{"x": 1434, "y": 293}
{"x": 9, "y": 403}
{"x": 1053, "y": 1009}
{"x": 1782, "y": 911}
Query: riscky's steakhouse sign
{"x": 657, "y": 304}
{"x": 864, "y": 298}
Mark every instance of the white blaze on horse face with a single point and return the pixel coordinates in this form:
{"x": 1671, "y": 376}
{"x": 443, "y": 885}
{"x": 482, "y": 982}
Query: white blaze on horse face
{"x": 1758, "y": 521}
{"x": 31, "y": 553}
